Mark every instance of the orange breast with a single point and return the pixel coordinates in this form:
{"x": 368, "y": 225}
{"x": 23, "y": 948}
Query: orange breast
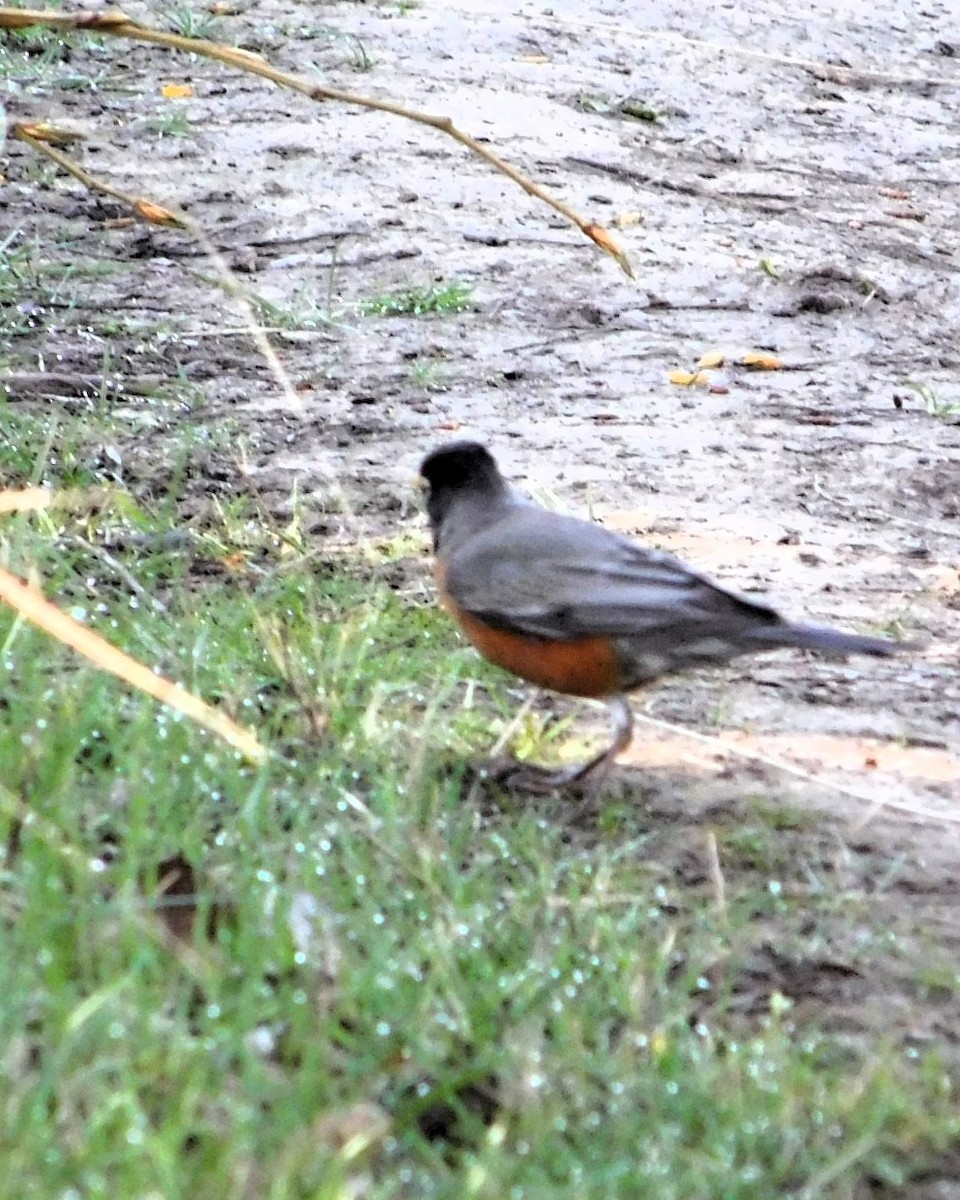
{"x": 585, "y": 667}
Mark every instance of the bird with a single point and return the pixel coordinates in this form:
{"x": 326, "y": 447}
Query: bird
{"x": 570, "y": 606}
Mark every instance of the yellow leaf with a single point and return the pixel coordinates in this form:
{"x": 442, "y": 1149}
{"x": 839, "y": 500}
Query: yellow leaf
{"x": 176, "y": 91}
{"x": 713, "y": 358}
{"x": 689, "y": 379}
{"x": 758, "y": 361}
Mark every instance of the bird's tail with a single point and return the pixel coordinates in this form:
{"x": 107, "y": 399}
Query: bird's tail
{"x": 829, "y": 641}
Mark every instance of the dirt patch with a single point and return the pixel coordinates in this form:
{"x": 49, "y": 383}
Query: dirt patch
{"x": 799, "y": 199}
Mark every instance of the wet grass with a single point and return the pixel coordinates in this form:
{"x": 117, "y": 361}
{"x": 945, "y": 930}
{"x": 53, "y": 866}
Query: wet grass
{"x": 348, "y": 972}
{"x": 418, "y": 302}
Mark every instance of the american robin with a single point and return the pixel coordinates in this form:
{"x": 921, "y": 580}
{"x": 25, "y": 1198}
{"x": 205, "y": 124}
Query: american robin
{"x": 571, "y": 606}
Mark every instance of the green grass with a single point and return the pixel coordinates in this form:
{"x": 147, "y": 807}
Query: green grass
{"x": 352, "y": 972}
{"x": 355, "y": 52}
{"x": 171, "y": 123}
{"x": 367, "y": 977}
{"x": 304, "y": 311}
{"x": 191, "y": 22}
{"x": 418, "y": 302}
{"x": 35, "y": 58}
{"x": 38, "y": 285}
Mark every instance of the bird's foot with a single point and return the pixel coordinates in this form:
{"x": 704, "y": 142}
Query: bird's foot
{"x": 516, "y": 776}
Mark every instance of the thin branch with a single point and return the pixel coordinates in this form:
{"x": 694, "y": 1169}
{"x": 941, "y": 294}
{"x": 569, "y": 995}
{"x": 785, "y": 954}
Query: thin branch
{"x": 118, "y": 24}
{"x": 39, "y": 138}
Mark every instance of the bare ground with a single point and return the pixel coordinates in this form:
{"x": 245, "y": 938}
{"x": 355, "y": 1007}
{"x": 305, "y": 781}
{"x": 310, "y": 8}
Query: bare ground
{"x": 798, "y": 194}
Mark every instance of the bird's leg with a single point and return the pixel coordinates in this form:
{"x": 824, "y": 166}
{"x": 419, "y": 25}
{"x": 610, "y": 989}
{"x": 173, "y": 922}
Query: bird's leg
{"x": 530, "y": 778}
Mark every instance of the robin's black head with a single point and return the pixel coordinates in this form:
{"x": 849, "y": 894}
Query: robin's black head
{"x": 459, "y": 471}
{"x": 461, "y": 465}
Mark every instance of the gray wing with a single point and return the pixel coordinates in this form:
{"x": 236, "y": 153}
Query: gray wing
{"x": 555, "y": 576}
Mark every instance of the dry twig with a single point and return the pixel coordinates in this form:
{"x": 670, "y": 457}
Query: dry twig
{"x": 118, "y": 24}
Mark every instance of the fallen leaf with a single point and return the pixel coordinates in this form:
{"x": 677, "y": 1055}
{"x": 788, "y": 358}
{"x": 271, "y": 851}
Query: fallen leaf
{"x": 713, "y": 358}
{"x": 758, "y": 361}
{"x": 176, "y": 91}
{"x": 627, "y": 219}
{"x": 689, "y": 378}
{"x": 894, "y": 193}
{"x": 532, "y": 58}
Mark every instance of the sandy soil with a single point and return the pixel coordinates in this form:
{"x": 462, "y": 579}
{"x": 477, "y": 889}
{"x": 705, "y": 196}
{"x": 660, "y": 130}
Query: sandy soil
{"x": 798, "y": 195}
